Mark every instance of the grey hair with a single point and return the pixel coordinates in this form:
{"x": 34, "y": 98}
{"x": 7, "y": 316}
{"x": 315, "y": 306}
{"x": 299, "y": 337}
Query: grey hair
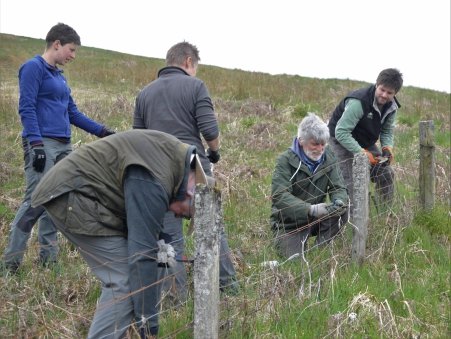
{"x": 312, "y": 127}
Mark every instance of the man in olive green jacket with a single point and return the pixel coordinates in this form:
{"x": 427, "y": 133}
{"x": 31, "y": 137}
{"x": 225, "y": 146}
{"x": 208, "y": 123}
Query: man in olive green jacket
{"x": 109, "y": 198}
{"x": 304, "y": 177}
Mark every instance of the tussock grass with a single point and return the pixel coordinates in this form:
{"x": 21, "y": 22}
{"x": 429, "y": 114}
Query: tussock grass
{"x": 401, "y": 291}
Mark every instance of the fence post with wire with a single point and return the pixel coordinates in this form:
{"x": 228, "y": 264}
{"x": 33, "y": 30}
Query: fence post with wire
{"x": 207, "y": 223}
{"x": 427, "y": 164}
{"x": 360, "y": 206}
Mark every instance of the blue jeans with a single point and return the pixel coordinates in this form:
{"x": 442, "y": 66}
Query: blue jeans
{"x": 27, "y": 216}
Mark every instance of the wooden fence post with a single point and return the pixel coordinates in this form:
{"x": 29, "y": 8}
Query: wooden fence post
{"x": 206, "y": 263}
{"x": 360, "y": 206}
{"x": 427, "y": 164}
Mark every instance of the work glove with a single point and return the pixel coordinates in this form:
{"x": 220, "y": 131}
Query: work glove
{"x": 166, "y": 254}
{"x": 373, "y": 161}
{"x": 213, "y": 156}
{"x": 338, "y": 207}
{"x": 388, "y": 153}
{"x": 318, "y": 210}
{"x": 106, "y": 132}
{"x": 38, "y": 158}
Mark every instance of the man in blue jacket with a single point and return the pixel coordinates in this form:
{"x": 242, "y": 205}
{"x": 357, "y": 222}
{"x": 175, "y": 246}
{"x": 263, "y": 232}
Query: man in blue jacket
{"x": 47, "y": 111}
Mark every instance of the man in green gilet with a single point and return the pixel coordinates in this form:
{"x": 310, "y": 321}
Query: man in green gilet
{"x": 109, "y": 198}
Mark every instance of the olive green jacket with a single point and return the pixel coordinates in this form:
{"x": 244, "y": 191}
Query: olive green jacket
{"x": 295, "y": 188}
{"x": 93, "y": 178}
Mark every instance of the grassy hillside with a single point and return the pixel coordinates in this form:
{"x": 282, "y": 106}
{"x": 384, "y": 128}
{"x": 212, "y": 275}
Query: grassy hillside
{"x": 401, "y": 291}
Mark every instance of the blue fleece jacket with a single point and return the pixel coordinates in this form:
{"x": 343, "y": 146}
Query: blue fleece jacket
{"x": 46, "y": 106}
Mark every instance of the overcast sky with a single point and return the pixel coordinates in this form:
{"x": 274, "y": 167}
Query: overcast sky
{"x": 342, "y": 39}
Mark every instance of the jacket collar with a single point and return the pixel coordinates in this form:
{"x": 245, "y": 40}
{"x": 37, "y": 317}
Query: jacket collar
{"x": 171, "y": 70}
{"x": 48, "y": 66}
{"x": 299, "y": 151}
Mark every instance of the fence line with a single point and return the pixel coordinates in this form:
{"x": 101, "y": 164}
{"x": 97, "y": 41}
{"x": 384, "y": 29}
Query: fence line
{"x": 264, "y": 278}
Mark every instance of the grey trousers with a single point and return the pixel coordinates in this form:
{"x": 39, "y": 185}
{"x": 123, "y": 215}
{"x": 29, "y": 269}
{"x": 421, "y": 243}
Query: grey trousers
{"x": 174, "y": 279}
{"x": 27, "y": 216}
{"x": 382, "y": 175}
{"x": 107, "y": 257}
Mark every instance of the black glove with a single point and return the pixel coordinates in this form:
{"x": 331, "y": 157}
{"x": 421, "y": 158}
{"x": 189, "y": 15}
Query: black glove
{"x": 213, "y": 156}
{"x": 166, "y": 237}
{"x": 106, "y": 132}
{"x": 38, "y": 158}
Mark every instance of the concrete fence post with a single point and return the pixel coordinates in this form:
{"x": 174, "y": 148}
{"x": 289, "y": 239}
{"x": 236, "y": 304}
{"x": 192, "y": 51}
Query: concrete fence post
{"x": 360, "y": 206}
{"x": 206, "y": 263}
{"x": 427, "y": 164}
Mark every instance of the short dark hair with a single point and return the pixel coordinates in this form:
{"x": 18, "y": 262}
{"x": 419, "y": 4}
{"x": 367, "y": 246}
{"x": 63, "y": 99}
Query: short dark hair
{"x": 64, "y": 33}
{"x": 390, "y": 77}
{"x": 178, "y": 53}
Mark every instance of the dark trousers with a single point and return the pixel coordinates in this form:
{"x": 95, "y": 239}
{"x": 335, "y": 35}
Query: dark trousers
{"x": 290, "y": 242}
{"x": 382, "y": 175}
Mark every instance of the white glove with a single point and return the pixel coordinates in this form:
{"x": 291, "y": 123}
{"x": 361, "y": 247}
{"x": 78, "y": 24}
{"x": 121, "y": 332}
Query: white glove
{"x": 318, "y": 210}
{"x": 166, "y": 254}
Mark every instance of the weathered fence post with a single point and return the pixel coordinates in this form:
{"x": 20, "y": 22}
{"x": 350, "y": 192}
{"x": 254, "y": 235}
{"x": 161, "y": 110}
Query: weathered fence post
{"x": 360, "y": 206}
{"x": 206, "y": 263}
{"x": 427, "y": 164}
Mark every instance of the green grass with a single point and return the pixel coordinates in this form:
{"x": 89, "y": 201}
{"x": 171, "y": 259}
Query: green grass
{"x": 401, "y": 290}
{"x": 436, "y": 221}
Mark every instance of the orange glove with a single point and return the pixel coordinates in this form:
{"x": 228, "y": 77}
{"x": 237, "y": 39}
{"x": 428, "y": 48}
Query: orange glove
{"x": 371, "y": 158}
{"x": 388, "y": 153}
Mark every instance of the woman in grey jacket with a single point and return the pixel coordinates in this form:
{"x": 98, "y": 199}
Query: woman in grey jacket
{"x": 305, "y": 176}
